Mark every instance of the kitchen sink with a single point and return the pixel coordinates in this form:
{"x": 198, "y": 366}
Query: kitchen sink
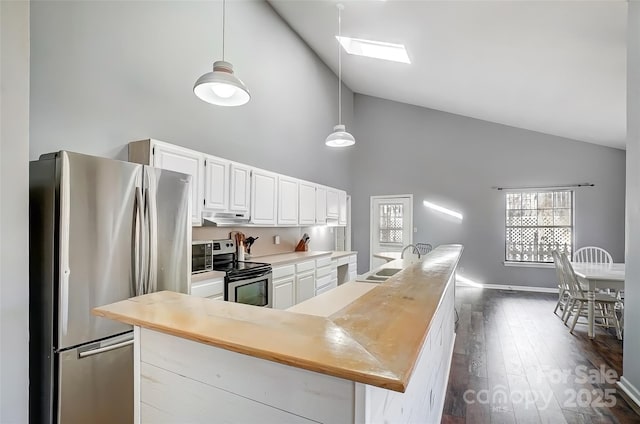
{"x": 376, "y": 278}
{"x": 387, "y": 272}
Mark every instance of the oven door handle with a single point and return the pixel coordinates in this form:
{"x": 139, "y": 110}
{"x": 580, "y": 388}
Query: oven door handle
{"x": 249, "y": 275}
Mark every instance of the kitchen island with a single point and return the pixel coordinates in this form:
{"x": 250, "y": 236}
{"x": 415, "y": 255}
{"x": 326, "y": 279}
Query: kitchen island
{"x": 383, "y": 356}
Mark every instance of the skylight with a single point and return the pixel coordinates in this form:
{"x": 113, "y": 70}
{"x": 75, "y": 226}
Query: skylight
{"x": 375, "y": 49}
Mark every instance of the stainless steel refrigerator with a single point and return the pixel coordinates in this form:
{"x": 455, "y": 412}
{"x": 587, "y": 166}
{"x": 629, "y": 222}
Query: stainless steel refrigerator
{"x": 101, "y": 231}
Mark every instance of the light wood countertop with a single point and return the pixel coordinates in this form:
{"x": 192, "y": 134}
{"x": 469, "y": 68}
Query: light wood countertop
{"x": 337, "y": 254}
{"x": 286, "y": 258}
{"x": 329, "y": 303}
{"x": 375, "y": 339}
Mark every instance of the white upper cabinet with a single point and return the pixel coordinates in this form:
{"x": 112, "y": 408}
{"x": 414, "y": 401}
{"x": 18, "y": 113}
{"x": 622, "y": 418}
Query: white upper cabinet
{"x": 342, "y": 207}
{"x": 307, "y": 203}
{"x": 321, "y": 205}
{"x": 333, "y": 207}
{"x": 264, "y": 185}
{"x": 287, "y": 201}
{"x": 220, "y": 186}
{"x": 186, "y": 161}
{"x": 240, "y": 193}
{"x": 216, "y": 183}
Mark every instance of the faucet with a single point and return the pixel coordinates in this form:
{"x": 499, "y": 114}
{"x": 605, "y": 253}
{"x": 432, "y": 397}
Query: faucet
{"x": 408, "y": 246}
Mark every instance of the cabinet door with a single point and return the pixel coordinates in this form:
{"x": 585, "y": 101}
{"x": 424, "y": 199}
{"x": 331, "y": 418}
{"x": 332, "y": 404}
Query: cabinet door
{"x": 307, "y": 204}
{"x": 283, "y": 293}
{"x": 321, "y": 205}
{"x": 342, "y": 207}
{"x": 240, "y": 193}
{"x": 263, "y": 197}
{"x": 216, "y": 183}
{"x": 305, "y": 286}
{"x": 333, "y": 209}
{"x": 187, "y": 161}
{"x": 287, "y": 201}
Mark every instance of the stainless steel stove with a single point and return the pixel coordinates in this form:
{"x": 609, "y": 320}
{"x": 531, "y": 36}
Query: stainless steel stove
{"x": 244, "y": 282}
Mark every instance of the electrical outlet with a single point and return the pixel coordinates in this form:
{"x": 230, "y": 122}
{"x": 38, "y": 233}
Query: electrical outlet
{"x": 276, "y": 239}
{"x": 415, "y": 229}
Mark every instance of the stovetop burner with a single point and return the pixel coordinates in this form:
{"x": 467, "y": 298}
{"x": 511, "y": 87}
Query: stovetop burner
{"x": 238, "y": 267}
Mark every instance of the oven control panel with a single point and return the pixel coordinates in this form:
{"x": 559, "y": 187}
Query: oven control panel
{"x": 222, "y": 247}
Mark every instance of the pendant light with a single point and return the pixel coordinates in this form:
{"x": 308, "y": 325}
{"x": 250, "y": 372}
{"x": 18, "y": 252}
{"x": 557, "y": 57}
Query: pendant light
{"x": 340, "y": 137}
{"x": 221, "y": 87}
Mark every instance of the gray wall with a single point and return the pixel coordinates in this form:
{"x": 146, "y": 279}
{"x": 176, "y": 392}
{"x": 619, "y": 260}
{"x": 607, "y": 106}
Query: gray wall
{"x": 631, "y": 365}
{"x": 105, "y": 73}
{"x": 14, "y": 220}
{"x": 454, "y": 161}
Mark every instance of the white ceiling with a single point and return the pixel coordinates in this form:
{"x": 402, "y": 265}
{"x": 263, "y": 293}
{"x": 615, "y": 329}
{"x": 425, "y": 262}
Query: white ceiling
{"x": 557, "y": 67}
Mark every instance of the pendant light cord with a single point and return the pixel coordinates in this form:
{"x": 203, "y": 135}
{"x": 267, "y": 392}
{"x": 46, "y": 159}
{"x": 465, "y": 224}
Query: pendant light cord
{"x": 340, "y": 7}
{"x": 224, "y": 5}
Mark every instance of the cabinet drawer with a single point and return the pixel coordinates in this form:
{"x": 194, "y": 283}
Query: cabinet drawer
{"x": 352, "y": 276}
{"x": 323, "y": 262}
{"x": 325, "y": 289}
{"x": 353, "y": 259}
{"x": 305, "y": 266}
{"x": 323, "y": 281}
{"x": 352, "y": 268}
{"x": 208, "y": 288}
{"x": 343, "y": 260}
{"x": 325, "y": 270}
{"x": 283, "y": 271}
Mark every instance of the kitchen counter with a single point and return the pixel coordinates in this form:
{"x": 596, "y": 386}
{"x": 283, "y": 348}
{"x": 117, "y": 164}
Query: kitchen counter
{"x": 337, "y": 254}
{"x": 376, "y": 339}
{"x": 207, "y": 276}
{"x": 287, "y": 258}
{"x": 329, "y": 303}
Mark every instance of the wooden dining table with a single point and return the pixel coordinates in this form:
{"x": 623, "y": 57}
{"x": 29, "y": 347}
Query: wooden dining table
{"x": 598, "y": 276}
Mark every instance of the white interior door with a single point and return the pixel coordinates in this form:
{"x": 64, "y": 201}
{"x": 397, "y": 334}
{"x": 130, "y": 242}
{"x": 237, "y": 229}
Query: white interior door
{"x": 391, "y": 226}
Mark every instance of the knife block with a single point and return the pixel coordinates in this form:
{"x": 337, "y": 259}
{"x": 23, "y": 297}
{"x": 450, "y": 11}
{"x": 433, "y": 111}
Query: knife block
{"x": 301, "y": 246}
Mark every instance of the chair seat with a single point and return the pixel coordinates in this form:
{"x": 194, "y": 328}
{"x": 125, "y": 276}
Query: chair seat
{"x": 600, "y": 297}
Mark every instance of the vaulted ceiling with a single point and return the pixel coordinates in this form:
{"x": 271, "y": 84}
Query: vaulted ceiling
{"x": 557, "y": 67}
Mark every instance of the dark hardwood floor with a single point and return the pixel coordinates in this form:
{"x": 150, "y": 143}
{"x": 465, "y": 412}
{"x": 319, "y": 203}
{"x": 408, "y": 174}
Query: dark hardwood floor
{"x": 514, "y": 361}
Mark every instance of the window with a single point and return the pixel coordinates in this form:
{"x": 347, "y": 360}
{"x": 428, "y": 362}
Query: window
{"x": 537, "y": 223}
{"x": 390, "y": 223}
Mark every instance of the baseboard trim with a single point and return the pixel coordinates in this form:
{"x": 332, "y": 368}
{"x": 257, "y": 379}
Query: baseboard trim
{"x": 511, "y": 288}
{"x": 630, "y": 393}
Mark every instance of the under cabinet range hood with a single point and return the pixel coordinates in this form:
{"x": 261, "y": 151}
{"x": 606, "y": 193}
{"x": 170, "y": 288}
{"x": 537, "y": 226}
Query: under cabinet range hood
{"x": 224, "y": 219}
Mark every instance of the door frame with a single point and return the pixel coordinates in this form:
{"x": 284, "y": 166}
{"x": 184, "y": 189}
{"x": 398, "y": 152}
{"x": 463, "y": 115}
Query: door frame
{"x": 371, "y": 213}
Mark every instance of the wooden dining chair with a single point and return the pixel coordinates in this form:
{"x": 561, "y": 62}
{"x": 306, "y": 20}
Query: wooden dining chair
{"x": 592, "y": 255}
{"x": 423, "y": 248}
{"x": 563, "y": 290}
{"x": 578, "y": 302}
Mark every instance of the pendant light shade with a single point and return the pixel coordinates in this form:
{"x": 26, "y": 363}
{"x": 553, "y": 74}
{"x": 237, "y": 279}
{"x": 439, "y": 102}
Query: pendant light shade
{"x": 221, "y": 87}
{"x": 340, "y": 137}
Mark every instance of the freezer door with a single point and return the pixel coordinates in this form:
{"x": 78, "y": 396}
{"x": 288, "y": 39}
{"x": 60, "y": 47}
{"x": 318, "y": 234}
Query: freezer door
{"x": 96, "y": 382}
{"x": 96, "y": 239}
{"x": 168, "y": 226}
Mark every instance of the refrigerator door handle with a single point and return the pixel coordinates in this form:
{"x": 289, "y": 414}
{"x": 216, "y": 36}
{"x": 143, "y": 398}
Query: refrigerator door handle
{"x": 65, "y": 207}
{"x": 152, "y": 216}
{"x": 139, "y": 244}
{"x": 104, "y": 349}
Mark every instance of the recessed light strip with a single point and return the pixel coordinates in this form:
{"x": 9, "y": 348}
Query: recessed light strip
{"x": 375, "y": 49}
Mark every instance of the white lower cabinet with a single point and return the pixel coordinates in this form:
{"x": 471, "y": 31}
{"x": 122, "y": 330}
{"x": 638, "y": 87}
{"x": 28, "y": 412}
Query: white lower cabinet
{"x": 295, "y": 283}
{"x": 284, "y": 280}
{"x": 326, "y": 275}
{"x": 305, "y": 286}
{"x": 284, "y": 293}
{"x": 211, "y": 288}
